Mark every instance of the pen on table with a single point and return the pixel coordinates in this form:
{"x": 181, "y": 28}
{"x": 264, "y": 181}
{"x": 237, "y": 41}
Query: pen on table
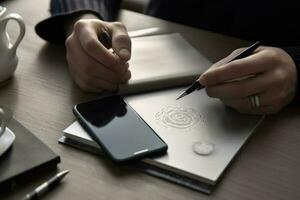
{"x": 197, "y": 85}
{"x": 40, "y": 190}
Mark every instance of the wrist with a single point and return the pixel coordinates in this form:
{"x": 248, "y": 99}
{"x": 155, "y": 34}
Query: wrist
{"x": 69, "y": 23}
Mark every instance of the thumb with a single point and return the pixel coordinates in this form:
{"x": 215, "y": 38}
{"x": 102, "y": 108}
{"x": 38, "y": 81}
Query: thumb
{"x": 121, "y": 42}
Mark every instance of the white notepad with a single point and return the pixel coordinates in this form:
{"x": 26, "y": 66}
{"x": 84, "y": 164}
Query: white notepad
{"x": 163, "y": 61}
{"x": 202, "y": 134}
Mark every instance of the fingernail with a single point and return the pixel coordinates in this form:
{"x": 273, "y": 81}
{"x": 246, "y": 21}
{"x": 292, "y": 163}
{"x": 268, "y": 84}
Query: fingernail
{"x": 124, "y": 54}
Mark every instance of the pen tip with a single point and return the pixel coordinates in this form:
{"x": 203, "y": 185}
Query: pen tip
{"x": 63, "y": 173}
{"x": 180, "y": 96}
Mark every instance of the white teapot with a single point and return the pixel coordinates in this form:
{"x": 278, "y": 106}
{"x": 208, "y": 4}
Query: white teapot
{"x": 8, "y": 57}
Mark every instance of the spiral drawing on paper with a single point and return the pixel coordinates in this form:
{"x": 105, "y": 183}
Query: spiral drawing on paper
{"x": 178, "y": 117}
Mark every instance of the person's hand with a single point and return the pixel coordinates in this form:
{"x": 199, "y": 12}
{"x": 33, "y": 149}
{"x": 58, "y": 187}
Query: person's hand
{"x": 92, "y": 66}
{"x": 273, "y": 78}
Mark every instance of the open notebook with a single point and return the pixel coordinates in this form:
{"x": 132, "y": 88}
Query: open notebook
{"x": 202, "y": 134}
{"x": 163, "y": 61}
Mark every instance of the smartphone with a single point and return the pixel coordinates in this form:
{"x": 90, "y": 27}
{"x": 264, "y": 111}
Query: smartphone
{"x": 118, "y": 129}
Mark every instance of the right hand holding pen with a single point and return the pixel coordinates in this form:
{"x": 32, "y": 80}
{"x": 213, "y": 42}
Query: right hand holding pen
{"x": 272, "y": 78}
{"x": 93, "y": 66}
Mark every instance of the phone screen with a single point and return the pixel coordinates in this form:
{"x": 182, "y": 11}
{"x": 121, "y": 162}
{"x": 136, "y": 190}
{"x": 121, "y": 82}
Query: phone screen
{"x": 120, "y": 131}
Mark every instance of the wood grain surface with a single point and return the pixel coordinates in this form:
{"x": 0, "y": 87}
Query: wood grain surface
{"x": 41, "y": 95}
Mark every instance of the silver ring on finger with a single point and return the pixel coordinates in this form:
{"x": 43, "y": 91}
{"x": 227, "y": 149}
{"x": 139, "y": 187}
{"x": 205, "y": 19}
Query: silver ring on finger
{"x": 255, "y": 102}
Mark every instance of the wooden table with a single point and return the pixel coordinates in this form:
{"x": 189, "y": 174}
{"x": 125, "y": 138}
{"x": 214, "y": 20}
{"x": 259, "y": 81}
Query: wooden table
{"x": 42, "y": 95}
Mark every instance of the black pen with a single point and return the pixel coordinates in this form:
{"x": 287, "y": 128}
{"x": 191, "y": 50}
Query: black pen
{"x": 40, "y": 190}
{"x": 197, "y": 85}
{"x": 105, "y": 39}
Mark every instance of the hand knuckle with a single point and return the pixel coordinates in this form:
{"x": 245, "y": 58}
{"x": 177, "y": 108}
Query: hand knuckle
{"x": 274, "y": 57}
{"x": 128, "y": 75}
{"x": 281, "y": 76}
{"x": 118, "y": 25}
{"x": 79, "y": 25}
{"x": 125, "y": 77}
{"x": 68, "y": 42}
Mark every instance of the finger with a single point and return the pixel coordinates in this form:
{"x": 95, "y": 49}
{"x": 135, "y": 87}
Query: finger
{"x": 91, "y": 84}
{"x": 121, "y": 42}
{"x": 80, "y": 83}
{"x": 269, "y": 101}
{"x": 227, "y": 58}
{"x": 88, "y": 65}
{"x": 243, "y": 88}
{"x": 266, "y": 110}
{"x": 222, "y": 62}
{"x": 87, "y": 35}
{"x": 264, "y": 98}
{"x": 126, "y": 77}
{"x": 95, "y": 69}
{"x": 236, "y": 69}
{"x": 92, "y": 66}
{"x": 245, "y": 106}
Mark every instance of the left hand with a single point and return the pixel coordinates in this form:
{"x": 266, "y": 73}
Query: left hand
{"x": 274, "y": 81}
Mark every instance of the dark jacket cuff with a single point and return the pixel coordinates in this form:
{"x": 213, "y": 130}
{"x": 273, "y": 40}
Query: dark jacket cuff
{"x": 52, "y": 29}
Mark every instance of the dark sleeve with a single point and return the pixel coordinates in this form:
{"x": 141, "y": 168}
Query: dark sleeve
{"x": 294, "y": 52}
{"x": 52, "y": 28}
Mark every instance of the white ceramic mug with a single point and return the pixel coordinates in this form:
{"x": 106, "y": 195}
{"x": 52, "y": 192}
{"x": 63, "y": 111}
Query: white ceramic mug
{"x": 8, "y": 57}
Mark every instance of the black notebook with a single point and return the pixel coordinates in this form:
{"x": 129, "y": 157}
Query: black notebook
{"x": 28, "y": 155}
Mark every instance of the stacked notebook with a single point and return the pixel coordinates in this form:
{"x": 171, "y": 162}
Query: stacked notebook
{"x": 27, "y": 156}
{"x": 202, "y": 134}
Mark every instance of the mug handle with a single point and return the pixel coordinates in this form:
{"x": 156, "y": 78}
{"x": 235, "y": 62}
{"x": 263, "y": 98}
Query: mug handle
{"x": 3, "y": 121}
{"x": 19, "y": 20}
